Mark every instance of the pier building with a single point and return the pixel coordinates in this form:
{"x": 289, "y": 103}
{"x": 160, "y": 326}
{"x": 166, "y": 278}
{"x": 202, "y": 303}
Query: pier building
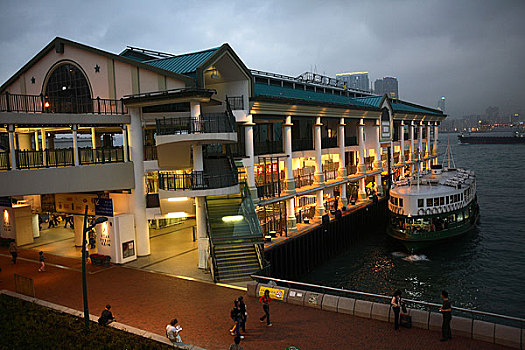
{"x": 156, "y": 141}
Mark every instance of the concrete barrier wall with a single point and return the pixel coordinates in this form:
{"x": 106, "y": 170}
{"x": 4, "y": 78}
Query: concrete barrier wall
{"x": 461, "y": 326}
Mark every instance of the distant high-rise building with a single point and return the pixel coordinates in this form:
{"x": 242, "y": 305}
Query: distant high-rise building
{"x": 355, "y": 80}
{"x": 441, "y": 104}
{"x": 387, "y": 85}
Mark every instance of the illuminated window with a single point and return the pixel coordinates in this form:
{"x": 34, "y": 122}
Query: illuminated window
{"x": 420, "y": 203}
{"x": 67, "y": 90}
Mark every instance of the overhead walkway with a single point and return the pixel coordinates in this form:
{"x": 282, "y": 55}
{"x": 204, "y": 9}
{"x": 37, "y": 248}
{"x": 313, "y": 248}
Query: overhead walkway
{"x": 236, "y": 240}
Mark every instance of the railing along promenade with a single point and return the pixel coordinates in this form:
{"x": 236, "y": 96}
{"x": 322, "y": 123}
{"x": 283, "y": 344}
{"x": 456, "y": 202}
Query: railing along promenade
{"x": 206, "y": 123}
{"x": 44, "y": 104}
{"x": 197, "y": 180}
{"x": 420, "y": 304}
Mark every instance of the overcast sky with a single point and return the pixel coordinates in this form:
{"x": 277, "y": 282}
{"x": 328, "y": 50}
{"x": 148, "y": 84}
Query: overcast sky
{"x": 472, "y": 52}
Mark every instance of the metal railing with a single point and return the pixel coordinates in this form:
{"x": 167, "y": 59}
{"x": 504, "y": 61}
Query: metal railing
{"x": 43, "y": 104}
{"x": 4, "y": 161}
{"x": 302, "y": 144}
{"x": 236, "y": 102}
{"x": 150, "y": 152}
{"x": 101, "y": 155}
{"x": 268, "y": 147}
{"x": 49, "y": 158}
{"x": 420, "y": 304}
{"x": 329, "y": 142}
{"x": 350, "y": 141}
{"x": 197, "y": 180}
{"x": 206, "y": 123}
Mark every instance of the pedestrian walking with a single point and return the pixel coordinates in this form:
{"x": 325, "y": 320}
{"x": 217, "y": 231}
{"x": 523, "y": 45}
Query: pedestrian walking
{"x": 235, "y": 315}
{"x": 172, "y": 332}
{"x": 446, "y": 311}
{"x": 244, "y": 313}
{"x": 42, "y": 262}
{"x": 236, "y": 344}
{"x": 68, "y": 220}
{"x": 265, "y": 300}
{"x": 106, "y": 317}
{"x": 14, "y": 251}
{"x": 396, "y": 307}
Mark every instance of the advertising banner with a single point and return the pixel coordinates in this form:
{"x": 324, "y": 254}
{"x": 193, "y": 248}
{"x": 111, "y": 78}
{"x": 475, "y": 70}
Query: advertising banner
{"x": 275, "y": 293}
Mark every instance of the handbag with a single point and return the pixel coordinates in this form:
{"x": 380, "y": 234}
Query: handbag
{"x": 405, "y": 321}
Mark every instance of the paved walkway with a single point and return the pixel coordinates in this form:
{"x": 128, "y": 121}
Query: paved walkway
{"x": 149, "y": 300}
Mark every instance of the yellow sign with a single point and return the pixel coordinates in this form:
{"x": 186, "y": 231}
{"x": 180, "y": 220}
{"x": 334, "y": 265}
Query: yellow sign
{"x": 275, "y": 293}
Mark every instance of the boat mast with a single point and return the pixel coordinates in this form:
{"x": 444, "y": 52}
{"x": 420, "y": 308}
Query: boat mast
{"x": 449, "y": 156}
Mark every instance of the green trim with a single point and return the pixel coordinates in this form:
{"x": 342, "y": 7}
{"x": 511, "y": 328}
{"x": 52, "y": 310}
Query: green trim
{"x": 51, "y": 46}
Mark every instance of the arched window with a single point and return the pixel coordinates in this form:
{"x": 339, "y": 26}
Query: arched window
{"x": 385, "y": 116}
{"x": 68, "y": 91}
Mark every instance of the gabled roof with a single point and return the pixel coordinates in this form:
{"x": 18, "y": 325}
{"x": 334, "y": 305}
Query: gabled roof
{"x": 183, "y": 64}
{"x": 61, "y": 41}
{"x": 403, "y": 106}
{"x": 264, "y": 90}
{"x": 135, "y": 55}
{"x": 374, "y": 101}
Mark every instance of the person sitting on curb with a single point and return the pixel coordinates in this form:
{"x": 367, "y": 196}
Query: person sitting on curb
{"x": 106, "y": 317}
{"x": 172, "y": 332}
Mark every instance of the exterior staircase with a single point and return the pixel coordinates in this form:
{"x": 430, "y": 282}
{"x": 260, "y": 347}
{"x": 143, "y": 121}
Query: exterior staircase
{"x": 236, "y": 239}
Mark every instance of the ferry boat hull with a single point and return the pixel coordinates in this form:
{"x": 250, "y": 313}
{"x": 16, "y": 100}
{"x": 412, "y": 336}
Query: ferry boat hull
{"x": 490, "y": 140}
{"x": 418, "y": 240}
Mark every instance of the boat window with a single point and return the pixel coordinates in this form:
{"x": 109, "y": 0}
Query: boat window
{"x": 400, "y": 202}
{"x": 436, "y": 202}
{"x": 448, "y": 197}
{"x": 429, "y": 202}
{"x": 395, "y": 200}
{"x": 462, "y": 197}
{"x": 453, "y": 218}
{"x": 466, "y": 214}
{"x": 460, "y": 216}
{"x": 441, "y": 200}
{"x": 420, "y": 203}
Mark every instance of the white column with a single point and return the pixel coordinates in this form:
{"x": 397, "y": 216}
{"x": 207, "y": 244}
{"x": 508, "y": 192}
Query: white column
{"x": 200, "y": 212}
{"x": 12, "y": 152}
{"x": 378, "y": 163}
{"x": 125, "y": 142}
{"x": 402, "y": 148}
{"x": 411, "y": 155}
{"x": 420, "y": 148}
{"x": 361, "y": 169}
{"x": 139, "y": 193}
{"x": 428, "y": 152}
{"x": 435, "y": 148}
{"x": 37, "y": 143}
{"x": 288, "y": 174}
{"x": 341, "y": 172}
{"x": 318, "y": 175}
{"x": 250, "y": 157}
{"x": 74, "y": 129}
{"x": 43, "y": 136}
{"x": 94, "y": 138}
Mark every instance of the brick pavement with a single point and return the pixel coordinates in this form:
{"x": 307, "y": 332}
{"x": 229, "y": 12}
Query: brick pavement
{"x": 148, "y": 301}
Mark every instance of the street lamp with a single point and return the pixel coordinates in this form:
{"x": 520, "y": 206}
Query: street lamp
{"x": 86, "y": 229}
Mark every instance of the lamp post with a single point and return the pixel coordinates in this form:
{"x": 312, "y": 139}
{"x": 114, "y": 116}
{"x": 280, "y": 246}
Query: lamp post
{"x": 85, "y": 229}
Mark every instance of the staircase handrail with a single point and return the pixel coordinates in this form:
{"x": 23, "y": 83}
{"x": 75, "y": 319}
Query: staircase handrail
{"x": 211, "y": 244}
{"x": 230, "y": 115}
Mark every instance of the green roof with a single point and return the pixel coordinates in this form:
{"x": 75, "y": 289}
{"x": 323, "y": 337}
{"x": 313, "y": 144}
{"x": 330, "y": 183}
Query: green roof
{"x": 290, "y": 93}
{"x": 373, "y": 101}
{"x": 183, "y": 64}
{"x": 401, "y": 106}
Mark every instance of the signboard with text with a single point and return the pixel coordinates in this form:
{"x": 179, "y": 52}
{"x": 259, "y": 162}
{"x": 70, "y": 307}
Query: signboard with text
{"x": 275, "y": 293}
{"x": 104, "y": 207}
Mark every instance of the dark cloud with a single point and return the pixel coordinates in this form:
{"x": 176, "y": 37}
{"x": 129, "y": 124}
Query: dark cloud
{"x": 470, "y": 51}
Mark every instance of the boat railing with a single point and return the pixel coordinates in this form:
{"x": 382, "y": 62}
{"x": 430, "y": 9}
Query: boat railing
{"x": 474, "y": 314}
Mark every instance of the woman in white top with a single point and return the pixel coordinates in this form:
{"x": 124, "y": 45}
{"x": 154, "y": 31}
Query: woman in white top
{"x": 396, "y": 306}
{"x": 172, "y": 331}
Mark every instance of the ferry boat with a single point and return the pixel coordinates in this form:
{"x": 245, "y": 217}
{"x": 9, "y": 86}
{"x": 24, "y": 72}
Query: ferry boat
{"x": 490, "y": 134}
{"x": 433, "y": 207}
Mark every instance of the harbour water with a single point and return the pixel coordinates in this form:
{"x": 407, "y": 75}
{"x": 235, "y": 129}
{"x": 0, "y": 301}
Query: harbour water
{"x": 483, "y": 270}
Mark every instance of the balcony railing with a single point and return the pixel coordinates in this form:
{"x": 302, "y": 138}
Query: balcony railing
{"x": 236, "y": 102}
{"x": 302, "y": 144}
{"x": 206, "y": 123}
{"x": 350, "y": 141}
{"x": 4, "y": 161}
{"x": 197, "y": 180}
{"x": 150, "y": 152}
{"x": 329, "y": 142}
{"x": 101, "y": 155}
{"x": 49, "y": 158}
{"x": 43, "y": 104}
{"x": 268, "y": 147}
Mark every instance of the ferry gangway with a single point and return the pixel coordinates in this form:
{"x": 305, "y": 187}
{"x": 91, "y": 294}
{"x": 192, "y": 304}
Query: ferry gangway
{"x": 475, "y": 314}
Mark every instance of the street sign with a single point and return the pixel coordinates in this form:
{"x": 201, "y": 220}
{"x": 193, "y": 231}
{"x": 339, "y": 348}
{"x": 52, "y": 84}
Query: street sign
{"x": 104, "y": 207}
